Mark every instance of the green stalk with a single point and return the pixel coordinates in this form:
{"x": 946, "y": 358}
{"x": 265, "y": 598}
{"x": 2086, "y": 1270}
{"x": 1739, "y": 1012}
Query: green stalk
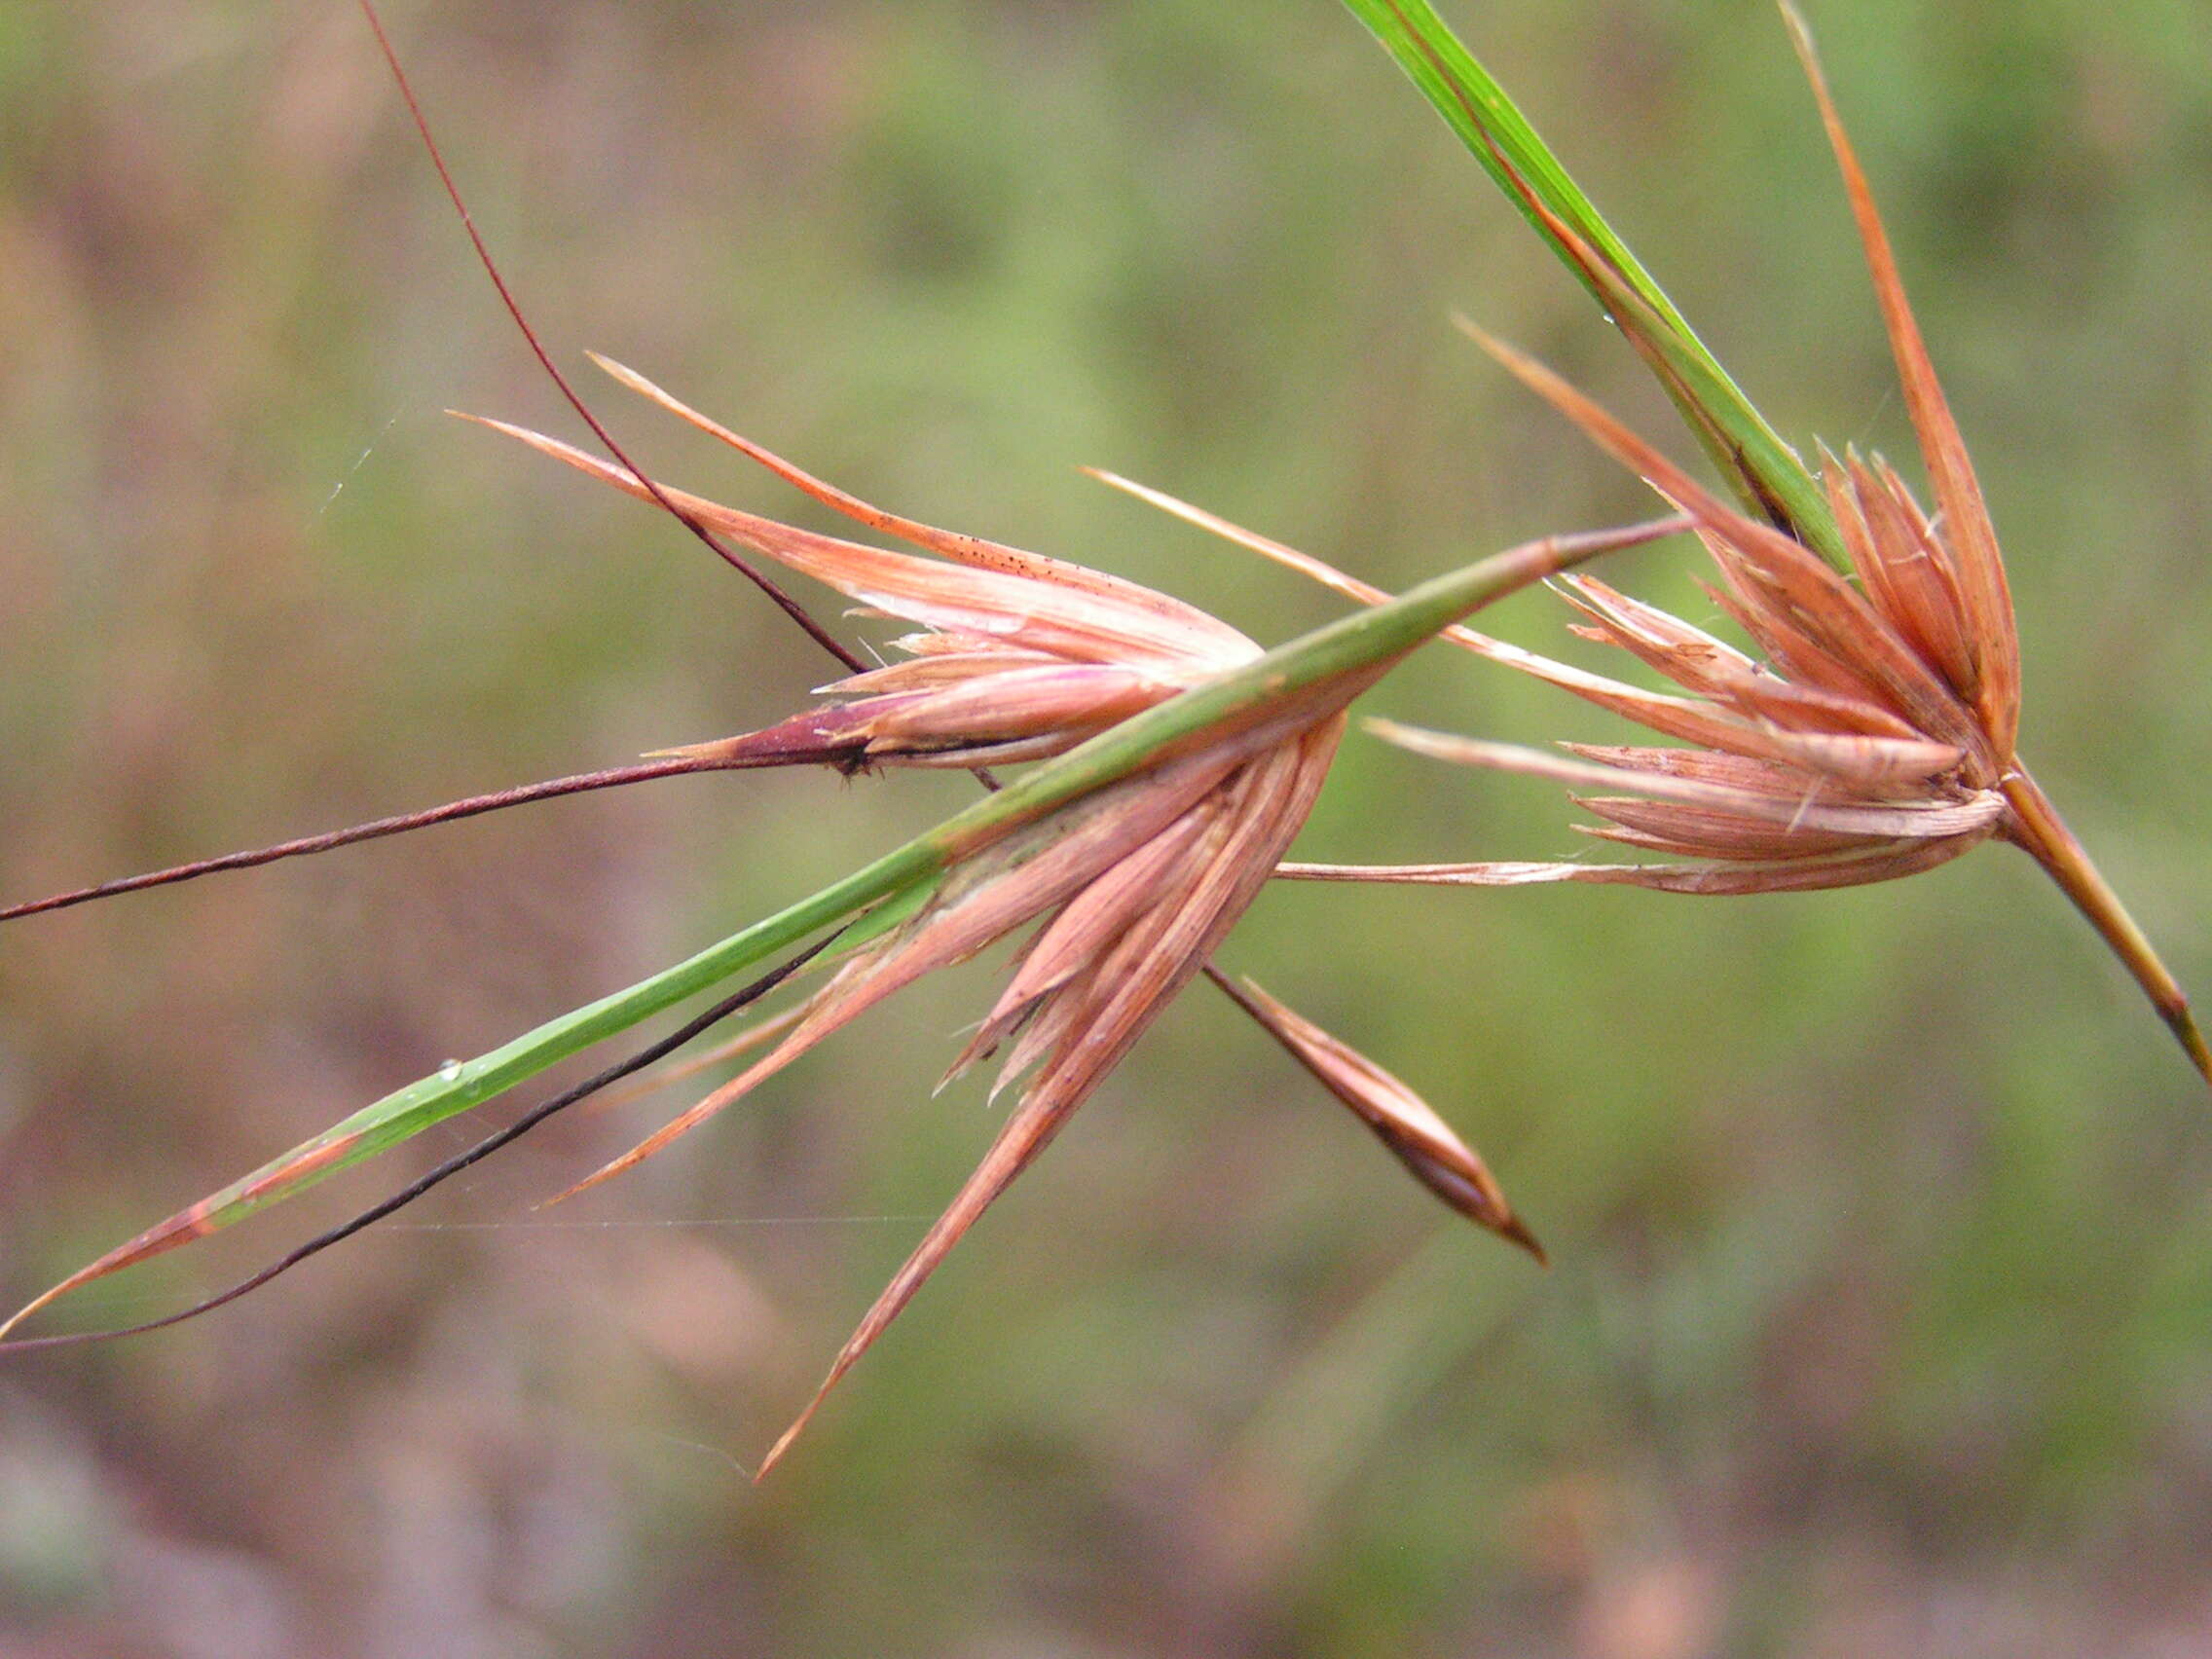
{"x": 1763, "y": 470}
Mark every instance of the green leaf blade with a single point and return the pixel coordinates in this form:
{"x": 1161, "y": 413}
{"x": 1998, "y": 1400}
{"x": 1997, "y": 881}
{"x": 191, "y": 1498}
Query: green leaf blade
{"x": 1763, "y": 470}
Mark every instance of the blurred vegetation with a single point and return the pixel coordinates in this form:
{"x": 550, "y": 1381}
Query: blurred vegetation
{"x": 1880, "y": 1317}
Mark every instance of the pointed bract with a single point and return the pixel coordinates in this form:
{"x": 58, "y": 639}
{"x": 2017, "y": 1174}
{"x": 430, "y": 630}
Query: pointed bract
{"x": 1424, "y": 1142}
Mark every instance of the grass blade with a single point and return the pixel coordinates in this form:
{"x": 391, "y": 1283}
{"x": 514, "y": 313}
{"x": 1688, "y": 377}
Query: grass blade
{"x": 1763, "y": 470}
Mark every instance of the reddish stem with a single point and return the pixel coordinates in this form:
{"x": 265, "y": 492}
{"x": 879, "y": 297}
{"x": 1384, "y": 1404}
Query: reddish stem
{"x": 791, "y": 607}
{"x": 577, "y": 784}
{"x": 2037, "y": 828}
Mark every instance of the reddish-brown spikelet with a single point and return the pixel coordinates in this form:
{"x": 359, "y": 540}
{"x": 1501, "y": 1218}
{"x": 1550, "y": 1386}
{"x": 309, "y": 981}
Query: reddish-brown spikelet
{"x": 1876, "y": 734}
{"x": 1022, "y": 657}
{"x": 1424, "y": 1142}
{"x": 1132, "y": 886}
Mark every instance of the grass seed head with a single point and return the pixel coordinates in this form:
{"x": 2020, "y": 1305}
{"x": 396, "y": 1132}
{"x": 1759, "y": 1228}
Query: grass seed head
{"x": 1875, "y": 733}
{"x": 1129, "y": 889}
{"x": 1131, "y": 858}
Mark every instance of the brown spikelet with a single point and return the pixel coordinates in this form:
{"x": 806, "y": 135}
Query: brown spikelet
{"x": 1875, "y": 734}
{"x": 1401, "y": 1119}
{"x": 1128, "y": 890}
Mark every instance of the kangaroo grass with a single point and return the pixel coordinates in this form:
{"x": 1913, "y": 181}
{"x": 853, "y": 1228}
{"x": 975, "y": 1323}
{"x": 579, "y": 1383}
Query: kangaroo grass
{"x": 1180, "y": 762}
{"x": 1870, "y": 734}
{"x": 1245, "y": 749}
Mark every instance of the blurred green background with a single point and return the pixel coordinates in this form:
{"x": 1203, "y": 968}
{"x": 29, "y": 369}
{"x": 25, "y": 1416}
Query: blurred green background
{"x": 1880, "y": 1319}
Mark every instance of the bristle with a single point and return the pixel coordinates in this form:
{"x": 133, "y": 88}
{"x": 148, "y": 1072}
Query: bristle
{"x": 1074, "y": 623}
{"x": 1971, "y": 537}
{"x": 1032, "y": 1125}
{"x": 791, "y": 607}
{"x": 962, "y": 549}
{"x": 1290, "y": 558}
{"x": 1884, "y": 861}
{"x": 666, "y": 764}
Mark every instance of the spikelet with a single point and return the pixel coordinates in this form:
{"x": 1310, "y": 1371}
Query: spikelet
{"x": 1874, "y": 734}
{"x": 1130, "y": 888}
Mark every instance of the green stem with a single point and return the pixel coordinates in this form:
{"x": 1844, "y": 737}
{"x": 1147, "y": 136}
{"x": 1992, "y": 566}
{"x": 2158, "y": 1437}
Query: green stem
{"x": 1766, "y": 472}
